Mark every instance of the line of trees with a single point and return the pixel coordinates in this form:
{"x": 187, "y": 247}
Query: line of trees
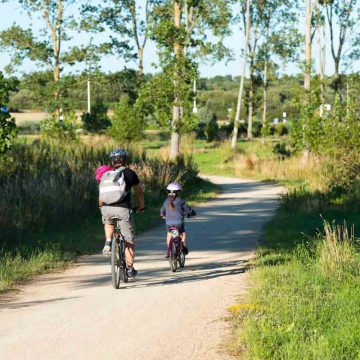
{"x": 186, "y": 32}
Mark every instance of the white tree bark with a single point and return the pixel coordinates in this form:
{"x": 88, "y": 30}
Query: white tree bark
{"x": 239, "y": 102}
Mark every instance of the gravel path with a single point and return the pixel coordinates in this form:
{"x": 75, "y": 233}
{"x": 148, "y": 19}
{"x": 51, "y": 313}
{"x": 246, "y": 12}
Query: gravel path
{"x": 76, "y": 314}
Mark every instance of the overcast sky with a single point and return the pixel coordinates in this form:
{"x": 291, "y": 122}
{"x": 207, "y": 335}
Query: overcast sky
{"x": 11, "y": 13}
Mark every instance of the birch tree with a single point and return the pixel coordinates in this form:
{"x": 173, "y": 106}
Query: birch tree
{"x": 343, "y": 19}
{"x": 242, "y": 80}
{"x": 181, "y": 29}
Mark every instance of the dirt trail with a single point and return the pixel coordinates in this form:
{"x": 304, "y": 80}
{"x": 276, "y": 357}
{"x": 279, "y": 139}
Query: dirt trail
{"x": 77, "y": 314}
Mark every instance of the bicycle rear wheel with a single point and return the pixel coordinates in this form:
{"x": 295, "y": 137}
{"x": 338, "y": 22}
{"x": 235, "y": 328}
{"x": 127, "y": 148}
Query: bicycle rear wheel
{"x": 115, "y": 262}
{"x": 123, "y": 272}
{"x": 173, "y": 258}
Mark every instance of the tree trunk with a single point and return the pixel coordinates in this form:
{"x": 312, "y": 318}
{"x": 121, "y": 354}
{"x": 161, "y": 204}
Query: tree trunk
{"x": 251, "y": 92}
{"x": 307, "y": 80}
{"x": 176, "y": 120}
{"x": 321, "y": 54}
{"x": 251, "y": 99}
{"x": 265, "y": 94}
{"x": 239, "y": 102}
{"x": 141, "y": 62}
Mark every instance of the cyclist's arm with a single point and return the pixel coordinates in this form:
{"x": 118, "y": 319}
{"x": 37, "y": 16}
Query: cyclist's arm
{"x": 100, "y": 202}
{"x": 188, "y": 211}
{"x": 139, "y": 197}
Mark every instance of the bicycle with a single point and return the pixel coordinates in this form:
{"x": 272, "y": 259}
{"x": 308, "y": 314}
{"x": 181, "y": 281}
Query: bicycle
{"x": 175, "y": 249}
{"x": 117, "y": 258}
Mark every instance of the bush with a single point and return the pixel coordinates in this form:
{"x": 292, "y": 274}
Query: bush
{"x": 62, "y": 130}
{"x": 127, "y": 122}
{"x": 208, "y": 124}
{"x": 97, "y": 120}
{"x": 281, "y": 129}
{"x": 281, "y": 149}
{"x": 7, "y": 123}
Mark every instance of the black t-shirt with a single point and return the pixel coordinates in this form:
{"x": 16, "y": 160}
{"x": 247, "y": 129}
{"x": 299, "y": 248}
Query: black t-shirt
{"x": 131, "y": 179}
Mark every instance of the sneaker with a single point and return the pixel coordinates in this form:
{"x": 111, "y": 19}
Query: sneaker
{"x": 131, "y": 273}
{"x": 185, "y": 250}
{"x": 107, "y": 248}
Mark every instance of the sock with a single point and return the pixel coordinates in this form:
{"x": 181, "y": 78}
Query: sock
{"x": 108, "y": 240}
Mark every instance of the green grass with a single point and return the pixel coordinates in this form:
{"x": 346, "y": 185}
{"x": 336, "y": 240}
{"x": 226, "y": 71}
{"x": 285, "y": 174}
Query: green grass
{"x": 302, "y": 305}
{"x": 306, "y": 293}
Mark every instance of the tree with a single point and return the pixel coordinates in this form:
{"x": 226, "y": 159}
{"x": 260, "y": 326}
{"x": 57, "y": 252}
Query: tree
{"x": 97, "y": 119}
{"x": 280, "y": 39}
{"x": 7, "y": 123}
{"x": 181, "y": 28}
{"x": 321, "y": 43}
{"x": 45, "y": 49}
{"x": 127, "y": 122}
{"x": 127, "y": 24}
{"x": 239, "y": 102}
{"x": 343, "y": 18}
{"x": 307, "y": 76}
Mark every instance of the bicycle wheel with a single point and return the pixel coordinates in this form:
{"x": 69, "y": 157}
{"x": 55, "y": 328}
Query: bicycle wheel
{"x": 115, "y": 263}
{"x": 123, "y": 272}
{"x": 173, "y": 258}
{"x": 181, "y": 258}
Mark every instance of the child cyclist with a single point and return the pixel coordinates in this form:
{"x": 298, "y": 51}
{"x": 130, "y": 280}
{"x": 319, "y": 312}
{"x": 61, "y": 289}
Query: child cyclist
{"x": 174, "y": 211}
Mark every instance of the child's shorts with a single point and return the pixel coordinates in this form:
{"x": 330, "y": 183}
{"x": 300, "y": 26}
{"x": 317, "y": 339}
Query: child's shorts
{"x": 180, "y": 227}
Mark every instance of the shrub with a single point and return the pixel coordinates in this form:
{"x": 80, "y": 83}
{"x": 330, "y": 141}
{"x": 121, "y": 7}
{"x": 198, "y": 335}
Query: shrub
{"x": 281, "y": 129}
{"x": 7, "y": 123}
{"x": 127, "y": 122}
{"x": 97, "y": 120}
{"x": 281, "y": 149}
{"x": 62, "y": 131}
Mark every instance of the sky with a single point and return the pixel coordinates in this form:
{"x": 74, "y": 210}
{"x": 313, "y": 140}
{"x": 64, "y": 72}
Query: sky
{"x": 11, "y": 12}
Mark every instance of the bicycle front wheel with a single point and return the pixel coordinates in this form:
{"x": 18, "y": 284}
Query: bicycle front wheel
{"x": 115, "y": 263}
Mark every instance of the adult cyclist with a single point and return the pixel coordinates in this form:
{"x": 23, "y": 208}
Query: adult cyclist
{"x": 121, "y": 210}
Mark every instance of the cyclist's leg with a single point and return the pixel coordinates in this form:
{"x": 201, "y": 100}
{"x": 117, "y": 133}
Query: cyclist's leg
{"x": 127, "y": 231}
{"x": 168, "y": 237}
{"x": 109, "y": 223}
{"x": 183, "y": 238}
{"x": 109, "y": 229}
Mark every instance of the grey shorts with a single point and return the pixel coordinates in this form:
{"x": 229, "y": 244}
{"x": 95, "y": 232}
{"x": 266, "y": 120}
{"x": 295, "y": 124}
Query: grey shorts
{"x": 110, "y": 216}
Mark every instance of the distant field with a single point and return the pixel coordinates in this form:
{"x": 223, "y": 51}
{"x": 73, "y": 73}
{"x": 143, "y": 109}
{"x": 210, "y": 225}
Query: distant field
{"x": 27, "y": 117}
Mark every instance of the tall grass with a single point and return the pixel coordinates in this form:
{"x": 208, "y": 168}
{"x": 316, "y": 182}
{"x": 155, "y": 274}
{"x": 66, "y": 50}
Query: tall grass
{"x": 48, "y": 206}
{"x": 306, "y": 308}
{"x": 46, "y": 186}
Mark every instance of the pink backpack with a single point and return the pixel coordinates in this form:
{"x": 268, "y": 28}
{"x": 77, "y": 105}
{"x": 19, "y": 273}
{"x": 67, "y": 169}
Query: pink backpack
{"x": 101, "y": 171}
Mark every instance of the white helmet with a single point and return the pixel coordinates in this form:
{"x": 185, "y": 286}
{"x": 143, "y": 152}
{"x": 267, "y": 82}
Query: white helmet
{"x": 174, "y": 186}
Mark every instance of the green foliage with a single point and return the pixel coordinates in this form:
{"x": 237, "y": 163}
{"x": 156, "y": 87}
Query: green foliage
{"x": 281, "y": 149}
{"x": 335, "y": 136}
{"x": 208, "y": 123}
{"x": 7, "y": 123}
{"x": 127, "y": 123}
{"x": 62, "y": 130}
{"x": 97, "y": 120}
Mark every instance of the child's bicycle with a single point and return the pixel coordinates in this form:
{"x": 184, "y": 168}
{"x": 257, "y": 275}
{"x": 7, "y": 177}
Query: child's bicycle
{"x": 117, "y": 258}
{"x": 175, "y": 250}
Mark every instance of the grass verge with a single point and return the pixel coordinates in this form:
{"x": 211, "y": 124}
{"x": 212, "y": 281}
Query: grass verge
{"x": 306, "y": 283}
